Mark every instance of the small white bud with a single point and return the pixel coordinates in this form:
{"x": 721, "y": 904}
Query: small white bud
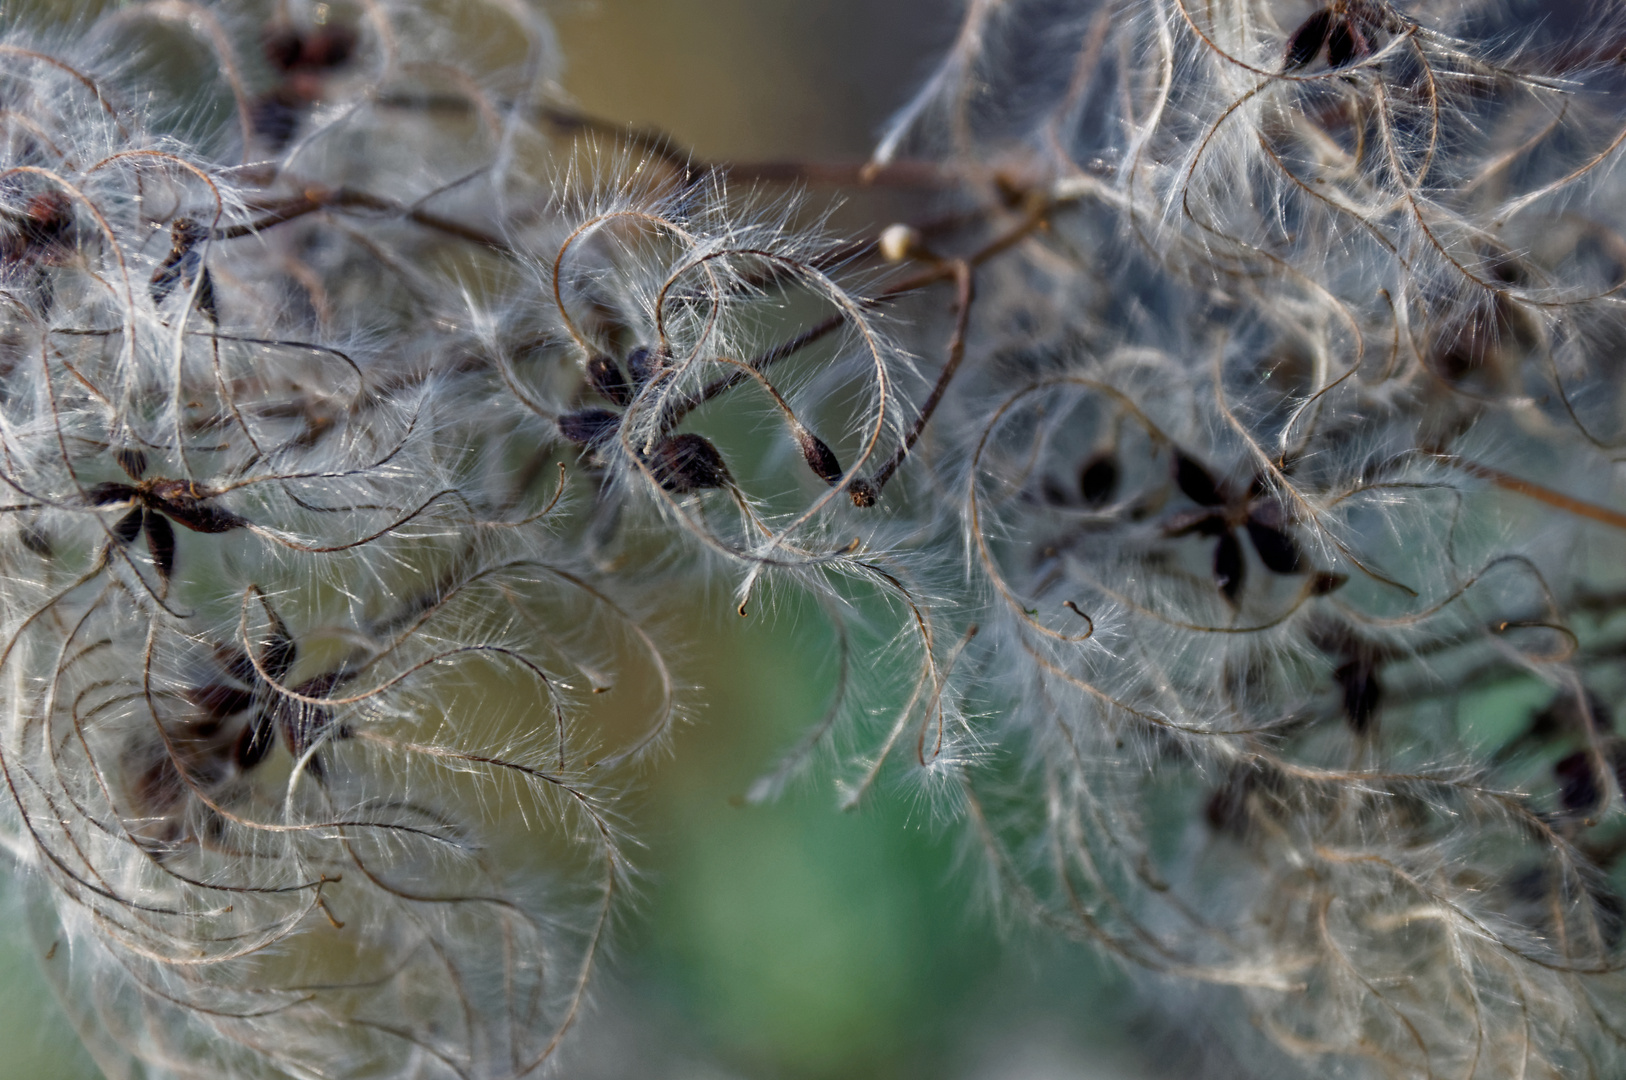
{"x": 898, "y": 242}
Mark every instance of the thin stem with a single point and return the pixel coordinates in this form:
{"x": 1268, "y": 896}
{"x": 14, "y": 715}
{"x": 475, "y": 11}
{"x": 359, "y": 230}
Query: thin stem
{"x": 313, "y": 199}
{"x": 944, "y": 270}
{"x": 964, "y": 291}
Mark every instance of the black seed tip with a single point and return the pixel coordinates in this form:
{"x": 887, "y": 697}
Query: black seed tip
{"x": 589, "y": 427}
{"x": 1196, "y": 481}
{"x": 1580, "y": 783}
{"x": 1098, "y": 479}
{"x": 1276, "y": 547}
{"x": 820, "y": 458}
{"x": 1345, "y": 44}
{"x": 1306, "y": 41}
{"x": 1361, "y": 692}
{"x": 606, "y": 377}
{"x": 161, "y": 542}
{"x": 128, "y": 527}
{"x": 132, "y": 461}
{"x": 861, "y": 492}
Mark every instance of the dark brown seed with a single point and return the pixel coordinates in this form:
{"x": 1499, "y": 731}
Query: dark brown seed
{"x": 184, "y": 265}
{"x": 128, "y": 527}
{"x": 322, "y": 685}
{"x": 159, "y": 788}
{"x": 34, "y": 539}
{"x": 218, "y": 701}
{"x": 280, "y": 651}
{"x": 256, "y": 741}
{"x": 282, "y": 47}
{"x": 187, "y": 504}
{"x": 203, "y": 518}
{"x": 165, "y": 278}
{"x": 175, "y": 266}
{"x": 861, "y": 492}
{"x": 132, "y": 461}
{"x": 606, "y": 377}
{"x": 589, "y": 427}
{"x": 1362, "y": 693}
{"x": 161, "y": 542}
{"x": 43, "y": 231}
{"x": 108, "y": 494}
{"x": 642, "y": 364}
{"x": 1345, "y": 44}
{"x": 1197, "y": 482}
{"x": 1229, "y": 568}
{"x": 303, "y": 724}
{"x": 1098, "y": 479}
{"x": 1505, "y": 267}
{"x": 1580, "y": 783}
{"x": 1277, "y": 549}
{"x": 49, "y": 220}
{"x": 1306, "y": 41}
{"x": 1247, "y": 791}
{"x": 276, "y": 115}
{"x": 686, "y": 463}
{"x": 289, "y": 49}
{"x": 327, "y": 48}
{"x": 206, "y": 296}
{"x": 237, "y": 664}
{"x": 1227, "y": 809}
{"x": 820, "y": 458}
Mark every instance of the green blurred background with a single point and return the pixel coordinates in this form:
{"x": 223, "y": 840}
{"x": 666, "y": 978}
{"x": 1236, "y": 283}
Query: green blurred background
{"x": 790, "y": 940}
{"x": 793, "y": 940}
